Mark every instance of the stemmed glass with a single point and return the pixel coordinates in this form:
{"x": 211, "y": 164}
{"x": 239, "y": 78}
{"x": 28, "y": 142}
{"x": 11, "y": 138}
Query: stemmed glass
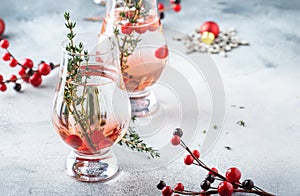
{"x": 91, "y": 110}
{"x": 142, "y": 48}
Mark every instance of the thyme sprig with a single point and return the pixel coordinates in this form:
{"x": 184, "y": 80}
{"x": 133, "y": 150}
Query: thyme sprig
{"x": 70, "y": 90}
{"x": 133, "y": 141}
{"x": 128, "y": 43}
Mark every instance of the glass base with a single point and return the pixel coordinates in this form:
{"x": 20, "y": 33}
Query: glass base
{"x": 143, "y": 103}
{"x": 94, "y": 168}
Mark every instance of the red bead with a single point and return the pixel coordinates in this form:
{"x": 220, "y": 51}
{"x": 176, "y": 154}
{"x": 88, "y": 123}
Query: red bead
{"x": 74, "y": 141}
{"x": 167, "y": 191}
{"x": 233, "y": 175}
{"x": 225, "y": 188}
{"x": 4, "y": 43}
{"x": 196, "y": 153}
{"x": 13, "y": 78}
{"x": 210, "y": 26}
{"x": 160, "y": 7}
{"x": 214, "y": 169}
{"x": 141, "y": 28}
{"x": 177, "y": 7}
{"x": 44, "y": 69}
{"x": 127, "y": 29}
{"x": 2, "y": 27}
{"x": 3, "y": 87}
{"x": 175, "y": 140}
{"x": 28, "y": 63}
{"x": 35, "y": 79}
{"x": 6, "y": 56}
{"x": 188, "y": 160}
{"x": 162, "y": 52}
{"x": 1, "y": 78}
{"x": 13, "y": 62}
{"x": 179, "y": 187}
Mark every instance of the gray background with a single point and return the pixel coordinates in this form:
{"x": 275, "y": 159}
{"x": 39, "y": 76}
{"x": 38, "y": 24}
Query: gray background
{"x": 264, "y": 78}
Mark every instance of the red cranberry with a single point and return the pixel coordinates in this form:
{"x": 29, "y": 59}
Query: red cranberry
{"x": 188, "y": 160}
{"x": 225, "y": 188}
{"x": 233, "y": 175}
{"x": 4, "y": 43}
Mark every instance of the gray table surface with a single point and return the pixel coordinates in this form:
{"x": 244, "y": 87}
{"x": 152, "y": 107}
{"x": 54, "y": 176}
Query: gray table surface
{"x": 263, "y": 77}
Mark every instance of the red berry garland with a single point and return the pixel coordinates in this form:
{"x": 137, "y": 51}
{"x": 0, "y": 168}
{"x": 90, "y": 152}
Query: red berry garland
{"x": 27, "y": 72}
{"x": 227, "y": 185}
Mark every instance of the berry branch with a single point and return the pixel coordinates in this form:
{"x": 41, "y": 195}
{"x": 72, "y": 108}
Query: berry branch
{"x": 27, "y": 72}
{"x": 229, "y": 183}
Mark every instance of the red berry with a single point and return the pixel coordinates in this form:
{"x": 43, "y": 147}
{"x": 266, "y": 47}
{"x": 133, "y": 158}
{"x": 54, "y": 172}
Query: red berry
{"x": 162, "y": 52}
{"x": 140, "y": 28}
{"x": 13, "y": 78}
{"x": 2, "y": 27}
{"x": 1, "y": 78}
{"x": 105, "y": 143}
{"x": 13, "y": 62}
{"x": 188, "y": 160}
{"x": 28, "y": 63}
{"x": 160, "y": 7}
{"x": 97, "y": 137}
{"x": 177, "y": 7}
{"x": 127, "y": 29}
{"x": 179, "y": 187}
{"x": 175, "y": 140}
{"x": 35, "y": 79}
{"x": 130, "y": 14}
{"x": 44, "y": 69}
{"x": 3, "y": 87}
{"x": 22, "y": 71}
{"x": 225, "y": 188}
{"x": 6, "y": 56}
{"x": 74, "y": 141}
{"x": 167, "y": 191}
{"x": 233, "y": 175}
{"x": 196, "y": 153}
{"x": 214, "y": 169}
{"x": 84, "y": 149}
{"x": 4, "y": 43}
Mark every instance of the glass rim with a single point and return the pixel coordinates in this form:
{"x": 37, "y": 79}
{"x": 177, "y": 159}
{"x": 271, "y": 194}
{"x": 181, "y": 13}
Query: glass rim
{"x": 65, "y": 42}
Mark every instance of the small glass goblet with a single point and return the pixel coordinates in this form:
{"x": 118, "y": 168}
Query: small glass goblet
{"x": 91, "y": 110}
